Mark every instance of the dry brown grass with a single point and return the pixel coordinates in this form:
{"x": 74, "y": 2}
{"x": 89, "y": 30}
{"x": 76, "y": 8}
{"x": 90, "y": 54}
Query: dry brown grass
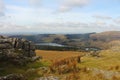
{"x": 57, "y": 55}
{"x": 61, "y": 61}
{"x": 65, "y": 63}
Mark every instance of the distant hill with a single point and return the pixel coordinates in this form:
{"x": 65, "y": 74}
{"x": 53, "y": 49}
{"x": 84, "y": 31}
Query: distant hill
{"x": 55, "y": 38}
{"x": 106, "y": 36}
{"x": 100, "y": 40}
{"x": 104, "y": 39}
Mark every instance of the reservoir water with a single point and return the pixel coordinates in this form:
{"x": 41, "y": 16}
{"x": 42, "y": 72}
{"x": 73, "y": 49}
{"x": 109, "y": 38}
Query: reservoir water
{"x": 50, "y": 44}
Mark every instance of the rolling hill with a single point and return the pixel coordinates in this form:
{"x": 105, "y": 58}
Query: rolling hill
{"x": 100, "y": 40}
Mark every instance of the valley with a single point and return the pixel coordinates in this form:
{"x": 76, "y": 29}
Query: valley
{"x": 55, "y": 60}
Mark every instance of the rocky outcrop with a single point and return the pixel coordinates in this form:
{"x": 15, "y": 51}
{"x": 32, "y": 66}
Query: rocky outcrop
{"x": 15, "y": 50}
{"x": 24, "y": 45}
{"x": 13, "y": 77}
{"x": 48, "y": 78}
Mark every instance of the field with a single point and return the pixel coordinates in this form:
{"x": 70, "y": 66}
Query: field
{"x": 57, "y": 55}
{"x": 108, "y": 64}
{"x": 106, "y": 60}
{"x": 66, "y": 66}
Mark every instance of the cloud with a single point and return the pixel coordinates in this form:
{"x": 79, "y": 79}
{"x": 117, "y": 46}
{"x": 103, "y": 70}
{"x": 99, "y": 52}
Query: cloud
{"x": 117, "y": 20}
{"x": 73, "y": 27}
{"x": 28, "y": 16}
{"x": 2, "y": 8}
{"x": 102, "y": 17}
{"x": 101, "y": 23}
{"x": 31, "y": 2}
{"x": 17, "y": 8}
{"x": 67, "y": 27}
{"x": 7, "y": 27}
{"x": 64, "y": 24}
{"x": 35, "y": 2}
{"x": 67, "y": 5}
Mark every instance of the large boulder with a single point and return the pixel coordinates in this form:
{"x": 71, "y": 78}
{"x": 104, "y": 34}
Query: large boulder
{"x": 16, "y": 50}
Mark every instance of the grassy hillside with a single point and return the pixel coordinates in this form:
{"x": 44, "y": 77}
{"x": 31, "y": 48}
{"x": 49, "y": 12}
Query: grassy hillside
{"x": 107, "y": 59}
{"x": 103, "y": 39}
{"x": 105, "y": 67}
{"x": 106, "y": 36}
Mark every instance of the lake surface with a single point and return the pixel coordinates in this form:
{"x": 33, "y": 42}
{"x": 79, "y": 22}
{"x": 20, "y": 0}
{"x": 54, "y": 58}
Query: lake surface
{"x": 50, "y": 44}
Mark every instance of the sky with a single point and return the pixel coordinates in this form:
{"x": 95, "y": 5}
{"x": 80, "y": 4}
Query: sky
{"x": 59, "y": 16}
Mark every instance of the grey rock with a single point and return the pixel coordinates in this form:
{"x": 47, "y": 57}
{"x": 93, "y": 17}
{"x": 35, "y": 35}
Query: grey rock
{"x": 49, "y": 78}
{"x": 13, "y": 77}
{"x": 17, "y": 50}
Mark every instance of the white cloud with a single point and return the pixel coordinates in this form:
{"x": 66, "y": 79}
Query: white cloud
{"x": 2, "y": 7}
{"x": 7, "y": 27}
{"x": 65, "y": 5}
{"x": 69, "y": 27}
{"x": 102, "y": 17}
{"x": 35, "y": 2}
{"x": 27, "y": 15}
{"x": 117, "y": 20}
{"x": 101, "y": 23}
{"x": 69, "y": 4}
{"x": 73, "y": 27}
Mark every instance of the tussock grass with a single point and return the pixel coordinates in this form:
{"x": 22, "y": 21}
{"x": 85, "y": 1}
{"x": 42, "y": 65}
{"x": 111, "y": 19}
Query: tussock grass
{"x": 108, "y": 61}
{"x": 57, "y": 55}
